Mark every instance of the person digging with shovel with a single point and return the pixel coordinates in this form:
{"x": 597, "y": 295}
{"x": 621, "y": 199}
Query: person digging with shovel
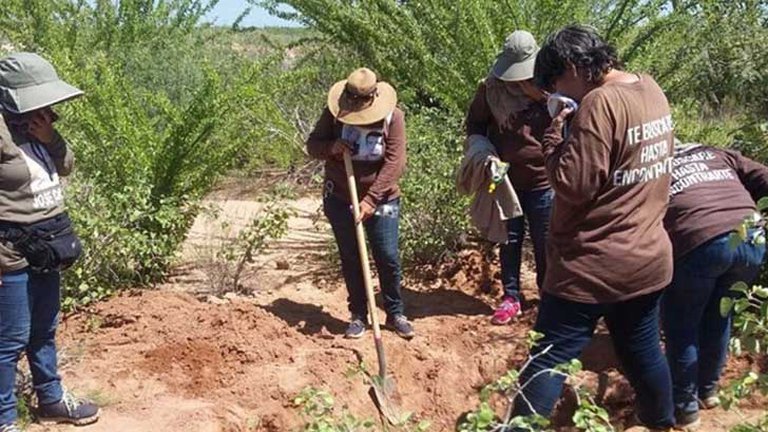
{"x": 362, "y": 121}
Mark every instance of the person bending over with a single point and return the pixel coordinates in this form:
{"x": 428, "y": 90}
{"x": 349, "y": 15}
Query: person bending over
{"x": 362, "y": 118}
{"x": 712, "y": 191}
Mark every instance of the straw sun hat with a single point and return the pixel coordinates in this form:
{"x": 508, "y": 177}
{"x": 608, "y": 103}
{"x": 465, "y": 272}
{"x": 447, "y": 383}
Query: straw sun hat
{"x": 361, "y": 99}
{"x": 28, "y": 82}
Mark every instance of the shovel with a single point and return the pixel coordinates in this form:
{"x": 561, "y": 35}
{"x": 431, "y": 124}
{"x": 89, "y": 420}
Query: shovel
{"x": 384, "y": 387}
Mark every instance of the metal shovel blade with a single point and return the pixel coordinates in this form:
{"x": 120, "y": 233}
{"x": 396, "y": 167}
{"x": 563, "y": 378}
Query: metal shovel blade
{"x": 388, "y": 399}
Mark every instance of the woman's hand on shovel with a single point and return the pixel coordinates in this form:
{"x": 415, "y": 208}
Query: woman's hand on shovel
{"x": 366, "y": 211}
{"x": 339, "y": 147}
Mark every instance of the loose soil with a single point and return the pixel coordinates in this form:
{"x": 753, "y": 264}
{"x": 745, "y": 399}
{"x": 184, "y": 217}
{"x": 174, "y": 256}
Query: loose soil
{"x": 184, "y": 357}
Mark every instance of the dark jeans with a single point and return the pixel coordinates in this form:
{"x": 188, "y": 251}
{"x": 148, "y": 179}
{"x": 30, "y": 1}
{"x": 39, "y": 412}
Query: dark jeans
{"x": 537, "y": 206}
{"x": 696, "y": 333}
{"x": 568, "y": 326}
{"x": 382, "y": 233}
{"x": 29, "y": 312}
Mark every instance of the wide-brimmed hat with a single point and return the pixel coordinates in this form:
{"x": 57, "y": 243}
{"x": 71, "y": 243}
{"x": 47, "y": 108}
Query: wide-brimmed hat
{"x": 361, "y": 99}
{"x": 28, "y": 82}
{"x": 517, "y": 58}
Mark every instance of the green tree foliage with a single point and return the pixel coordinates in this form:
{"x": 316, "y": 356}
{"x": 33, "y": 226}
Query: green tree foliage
{"x": 709, "y": 51}
{"x": 708, "y": 55}
{"x": 436, "y": 51}
{"x": 159, "y": 124}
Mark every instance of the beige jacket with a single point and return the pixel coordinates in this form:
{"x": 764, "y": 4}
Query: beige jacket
{"x": 489, "y": 211}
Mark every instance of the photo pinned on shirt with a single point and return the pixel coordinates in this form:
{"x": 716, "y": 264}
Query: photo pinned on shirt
{"x": 374, "y": 145}
{"x": 367, "y": 144}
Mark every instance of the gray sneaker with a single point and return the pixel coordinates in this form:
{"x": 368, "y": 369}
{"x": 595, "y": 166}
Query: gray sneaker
{"x": 402, "y": 327}
{"x": 70, "y": 410}
{"x": 9, "y": 428}
{"x": 687, "y": 421}
{"x": 709, "y": 401}
{"x": 356, "y": 328}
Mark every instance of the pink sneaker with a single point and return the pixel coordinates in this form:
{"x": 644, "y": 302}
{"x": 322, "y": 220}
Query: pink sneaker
{"x": 508, "y": 309}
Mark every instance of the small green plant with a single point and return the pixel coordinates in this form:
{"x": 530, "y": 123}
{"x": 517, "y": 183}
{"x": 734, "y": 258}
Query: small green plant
{"x": 588, "y": 416}
{"x": 750, "y": 322}
{"x": 270, "y": 224}
{"x": 317, "y": 411}
{"x": 25, "y": 394}
{"x": 319, "y": 414}
{"x": 749, "y": 305}
{"x": 760, "y": 425}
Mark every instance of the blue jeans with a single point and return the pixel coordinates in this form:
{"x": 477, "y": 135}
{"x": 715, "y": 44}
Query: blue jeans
{"x": 696, "y": 334}
{"x": 537, "y": 206}
{"x": 568, "y": 327}
{"x": 382, "y": 233}
{"x": 29, "y": 313}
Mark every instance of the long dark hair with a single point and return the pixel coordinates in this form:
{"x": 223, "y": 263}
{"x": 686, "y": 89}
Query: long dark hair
{"x": 580, "y": 46}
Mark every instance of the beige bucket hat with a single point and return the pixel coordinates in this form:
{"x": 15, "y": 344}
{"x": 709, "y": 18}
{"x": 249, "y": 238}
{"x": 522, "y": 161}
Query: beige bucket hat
{"x": 361, "y": 99}
{"x": 517, "y": 58}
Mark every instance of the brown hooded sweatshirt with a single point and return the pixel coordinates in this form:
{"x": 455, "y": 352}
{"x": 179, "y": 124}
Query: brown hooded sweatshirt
{"x": 611, "y": 179}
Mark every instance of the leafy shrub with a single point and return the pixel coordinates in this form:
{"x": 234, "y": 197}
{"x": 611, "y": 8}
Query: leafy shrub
{"x": 155, "y": 131}
{"x": 292, "y": 95}
{"x": 434, "y": 214}
{"x": 271, "y": 223}
{"x": 435, "y": 52}
{"x": 749, "y": 306}
{"x": 318, "y": 414}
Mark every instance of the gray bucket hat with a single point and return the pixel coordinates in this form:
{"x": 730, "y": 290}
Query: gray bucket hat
{"x": 517, "y": 57}
{"x": 28, "y": 82}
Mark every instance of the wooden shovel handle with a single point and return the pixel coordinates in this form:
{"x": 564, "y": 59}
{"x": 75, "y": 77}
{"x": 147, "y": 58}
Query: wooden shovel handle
{"x": 364, "y": 262}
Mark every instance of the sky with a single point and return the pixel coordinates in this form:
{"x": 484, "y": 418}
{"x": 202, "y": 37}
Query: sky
{"x": 227, "y": 11}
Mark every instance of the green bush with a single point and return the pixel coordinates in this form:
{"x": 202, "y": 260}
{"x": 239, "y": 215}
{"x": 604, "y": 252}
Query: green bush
{"x": 269, "y": 224}
{"x": 589, "y": 416}
{"x": 156, "y": 129}
{"x": 434, "y": 215}
{"x": 293, "y": 83}
{"x": 749, "y": 306}
{"x": 435, "y": 52}
{"x": 317, "y": 412}
{"x": 708, "y": 56}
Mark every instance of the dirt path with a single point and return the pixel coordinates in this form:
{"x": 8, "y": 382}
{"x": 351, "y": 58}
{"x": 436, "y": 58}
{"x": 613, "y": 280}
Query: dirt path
{"x": 164, "y": 360}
